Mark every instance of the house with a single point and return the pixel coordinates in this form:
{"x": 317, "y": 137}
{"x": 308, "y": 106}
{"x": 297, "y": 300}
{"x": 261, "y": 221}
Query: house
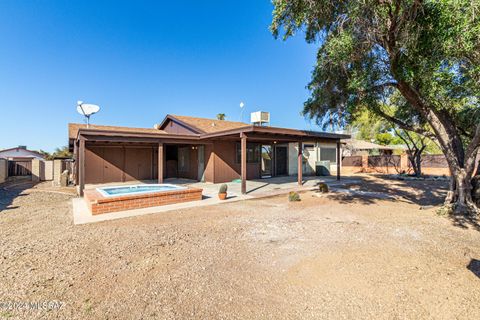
{"x": 20, "y": 153}
{"x": 200, "y": 149}
{"x": 354, "y": 147}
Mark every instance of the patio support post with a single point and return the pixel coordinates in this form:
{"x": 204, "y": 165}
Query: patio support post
{"x": 299, "y": 163}
{"x": 81, "y": 166}
{"x": 339, "y": 159}
{"x": 243, "y": 139}
{"x": 160, "y": 162}
{"x": 75, "y": 168}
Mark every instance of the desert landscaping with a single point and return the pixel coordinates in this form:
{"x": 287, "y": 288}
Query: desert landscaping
{"x": 376, "y": 248}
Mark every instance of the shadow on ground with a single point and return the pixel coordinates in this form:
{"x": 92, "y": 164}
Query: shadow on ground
{"x": 474, "y": 267}
{"x": 465, "y": 222}
{"x": 369, "y": 190}
{"x": 10, "y": 191}
{"x": 424, "y": 193}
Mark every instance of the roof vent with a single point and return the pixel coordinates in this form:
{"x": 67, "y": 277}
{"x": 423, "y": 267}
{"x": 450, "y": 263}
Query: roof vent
{"x": 260, "y": 118}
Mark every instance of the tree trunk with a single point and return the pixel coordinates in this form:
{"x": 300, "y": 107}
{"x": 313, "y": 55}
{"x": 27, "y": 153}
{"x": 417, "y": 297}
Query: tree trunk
{"x": 415, "y": 161}
{"x": 460, "y": 193}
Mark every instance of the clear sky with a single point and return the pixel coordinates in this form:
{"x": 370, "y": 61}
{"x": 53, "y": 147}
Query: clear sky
{"x": 140, "y": 60}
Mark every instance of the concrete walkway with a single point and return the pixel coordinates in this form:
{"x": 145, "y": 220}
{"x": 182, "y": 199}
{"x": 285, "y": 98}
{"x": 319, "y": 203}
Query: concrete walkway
{"x": 255, "y": 189}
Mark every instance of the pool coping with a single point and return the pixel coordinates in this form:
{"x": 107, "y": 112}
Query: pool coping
{"x": 106, "y": 195}
{"x": 99, "y": 204}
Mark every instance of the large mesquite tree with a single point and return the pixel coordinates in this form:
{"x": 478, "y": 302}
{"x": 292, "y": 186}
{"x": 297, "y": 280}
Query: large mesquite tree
{"x": 371, "y": 50}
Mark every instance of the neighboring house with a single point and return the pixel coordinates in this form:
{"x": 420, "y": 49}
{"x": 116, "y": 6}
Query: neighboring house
{"x": 354, "y": 147}
{"x": 20, "y": 153}
{"x": 201, "y": 149}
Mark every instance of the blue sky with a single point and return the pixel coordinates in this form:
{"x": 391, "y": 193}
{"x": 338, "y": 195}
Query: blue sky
{"x": 140, "y": 60}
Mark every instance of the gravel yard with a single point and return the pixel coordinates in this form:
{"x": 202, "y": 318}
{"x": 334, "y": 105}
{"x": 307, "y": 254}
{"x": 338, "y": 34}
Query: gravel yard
{"x": 376, "y": 251}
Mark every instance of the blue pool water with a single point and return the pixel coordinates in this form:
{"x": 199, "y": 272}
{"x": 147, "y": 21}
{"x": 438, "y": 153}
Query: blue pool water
{"x": 137, "y": 189}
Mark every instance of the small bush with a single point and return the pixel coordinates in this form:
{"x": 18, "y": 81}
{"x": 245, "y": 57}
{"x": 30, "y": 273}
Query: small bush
{"x": 323, "y": 188}
{"x": 293, "y": 196}
{"x": 223, "y": 188}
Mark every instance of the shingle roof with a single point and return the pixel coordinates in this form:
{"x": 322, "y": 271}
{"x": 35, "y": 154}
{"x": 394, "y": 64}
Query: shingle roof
{"x": 74, "y": 127}
{"x": 210, "y": 125}
{"x": 365, "y": 145}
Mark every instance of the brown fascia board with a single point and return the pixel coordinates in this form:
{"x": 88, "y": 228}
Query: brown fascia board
{"x": 172, "y": 118}
{"x": 246, "y": 129}
{"x": 133, "y": 134}
{"x": 275, "y": 130}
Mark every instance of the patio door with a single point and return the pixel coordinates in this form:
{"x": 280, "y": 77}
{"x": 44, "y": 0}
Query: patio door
{"x": 281, "y": 160}
{"x": 266, "y": 161}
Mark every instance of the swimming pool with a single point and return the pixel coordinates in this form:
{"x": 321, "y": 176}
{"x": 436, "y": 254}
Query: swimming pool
{"x": 117, "y": 191}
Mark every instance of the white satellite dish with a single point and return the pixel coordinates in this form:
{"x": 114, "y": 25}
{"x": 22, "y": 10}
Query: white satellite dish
{"x": 87, "y": 109}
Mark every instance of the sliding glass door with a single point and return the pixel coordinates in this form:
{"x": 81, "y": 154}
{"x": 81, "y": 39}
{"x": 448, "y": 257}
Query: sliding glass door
{"x": 266, "y": 161}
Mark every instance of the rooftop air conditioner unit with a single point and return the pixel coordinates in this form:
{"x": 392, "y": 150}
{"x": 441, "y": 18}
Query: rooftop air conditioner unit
{"x": 260, "y": 118}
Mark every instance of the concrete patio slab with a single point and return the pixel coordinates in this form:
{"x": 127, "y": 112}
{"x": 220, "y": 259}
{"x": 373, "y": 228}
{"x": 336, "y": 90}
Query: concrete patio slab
{"x": 255, "y": 189}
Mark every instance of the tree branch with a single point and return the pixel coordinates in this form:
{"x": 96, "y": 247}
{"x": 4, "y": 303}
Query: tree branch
{"x": 404, "y": 125}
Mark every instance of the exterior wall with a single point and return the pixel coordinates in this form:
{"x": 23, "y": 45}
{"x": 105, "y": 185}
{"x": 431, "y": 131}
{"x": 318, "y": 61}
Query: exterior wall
{"x": 118, "y": 164}
{"x": 57, "y": 171}
{"x": 225, "y": 167}
{"x": 3, "y": 170}
{"x": 176, "y": 128}
{"x": 310, "y": 156}
{"x": 353, "y": 164}
{"x": 48, "y": 170}
{"x": 36, "y": 170}
{"x": 19, "y": 153}
{"x": 209, "y": 163}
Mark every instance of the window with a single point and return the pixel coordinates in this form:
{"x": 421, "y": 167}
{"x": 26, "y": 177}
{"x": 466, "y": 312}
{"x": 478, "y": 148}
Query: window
{"x": 253, "y": 153}
{"x": 328, "y": 154}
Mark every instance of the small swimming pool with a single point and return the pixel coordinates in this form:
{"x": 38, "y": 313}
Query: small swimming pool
{"x": 117, "y": 191}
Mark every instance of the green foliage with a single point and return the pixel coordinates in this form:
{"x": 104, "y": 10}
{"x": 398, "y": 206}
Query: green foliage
{"x": 221, "y": 116}
{"x": 369, "y": 49}
{"x": 323, "y": 187}
{"x": 61, "y": 152}
{"x": 293, "y": 196}
{"x": 223, "y": 188}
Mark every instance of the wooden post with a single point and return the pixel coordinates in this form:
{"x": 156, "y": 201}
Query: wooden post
{"x": 81, "y": 166}
{"x": 243, "y": 151}
{"x": 300, "y": 163}
{"x": 75, "y": 171}
{"x": 339, "y": 159}
{"x": 160, "y": 162}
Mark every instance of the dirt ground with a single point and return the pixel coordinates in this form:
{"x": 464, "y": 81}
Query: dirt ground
{"x": 376, "y": 250}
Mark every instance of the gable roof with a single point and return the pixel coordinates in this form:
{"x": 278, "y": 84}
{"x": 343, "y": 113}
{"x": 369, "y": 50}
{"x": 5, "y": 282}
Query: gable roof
{"x": 74, "y": 127}
{"x": 32, "y": 152}
{"x": 204, "y": 125}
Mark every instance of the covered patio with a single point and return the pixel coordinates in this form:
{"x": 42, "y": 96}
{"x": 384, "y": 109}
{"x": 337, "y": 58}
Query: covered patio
{"x": 203, "y": 150}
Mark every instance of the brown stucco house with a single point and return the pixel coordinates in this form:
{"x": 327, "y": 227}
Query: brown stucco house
{"x": 200, "y": 149}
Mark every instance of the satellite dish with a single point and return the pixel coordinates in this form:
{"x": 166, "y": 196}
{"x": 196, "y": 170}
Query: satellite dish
{"x": 87, "y": 110}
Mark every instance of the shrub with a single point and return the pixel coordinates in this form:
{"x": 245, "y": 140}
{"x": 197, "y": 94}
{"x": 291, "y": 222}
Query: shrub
{"x": 223, "y": 188}
{"x": 293, "y": 196}
{"x": 322, "y": 187}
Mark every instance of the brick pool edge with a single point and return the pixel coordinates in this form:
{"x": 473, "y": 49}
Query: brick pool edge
{"x": 98, "y": 204}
